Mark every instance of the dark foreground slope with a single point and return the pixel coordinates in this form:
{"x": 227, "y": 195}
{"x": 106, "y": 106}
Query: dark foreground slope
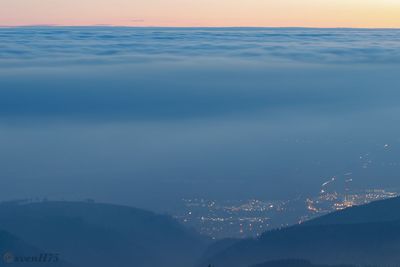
{"x": 366, "y": 235}
{"x": 89, "y": 234}
{"x": 378, "y": 211}
{"x": 17, "y": 253}
{"x": 295, "y": 263}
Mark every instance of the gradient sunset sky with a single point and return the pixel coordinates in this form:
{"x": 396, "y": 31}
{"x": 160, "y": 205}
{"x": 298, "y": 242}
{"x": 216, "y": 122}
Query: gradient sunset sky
{"x": 268, "y": 13}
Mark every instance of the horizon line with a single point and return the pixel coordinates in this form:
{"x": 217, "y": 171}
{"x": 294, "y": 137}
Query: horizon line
{"x": 190, "y": 27}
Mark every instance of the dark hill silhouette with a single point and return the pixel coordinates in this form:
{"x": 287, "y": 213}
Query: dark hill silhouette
{"x": 218, "y": 246}
{"x": 367, "y": 235}
{"x": 378, "y": 211}
{"x": 11, "y": 248}
{"x": 90, "y": 234}
{"x": 295, "y": 263}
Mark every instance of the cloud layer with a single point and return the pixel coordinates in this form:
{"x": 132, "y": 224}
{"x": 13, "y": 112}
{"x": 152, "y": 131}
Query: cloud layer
{"x": 104, "y": 44}
{"x": 184, "y": 112}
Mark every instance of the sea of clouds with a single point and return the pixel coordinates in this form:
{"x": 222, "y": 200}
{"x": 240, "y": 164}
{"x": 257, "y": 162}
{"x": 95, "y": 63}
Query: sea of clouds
{"x": 94, "y": 45}
{"x": 146, "y": 115}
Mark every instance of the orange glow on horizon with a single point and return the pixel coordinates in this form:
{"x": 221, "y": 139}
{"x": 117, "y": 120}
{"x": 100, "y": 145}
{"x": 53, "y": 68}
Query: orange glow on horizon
{"x": 207, "y": 13}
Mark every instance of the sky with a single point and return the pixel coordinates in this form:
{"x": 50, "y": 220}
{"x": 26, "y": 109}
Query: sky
{"x": 148, "y": 116}
{"x": 186, "y": 13}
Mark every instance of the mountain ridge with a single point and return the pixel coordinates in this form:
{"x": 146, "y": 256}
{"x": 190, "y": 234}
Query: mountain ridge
{"x": 343, "y": 237}
{"x": 97, "y": 234}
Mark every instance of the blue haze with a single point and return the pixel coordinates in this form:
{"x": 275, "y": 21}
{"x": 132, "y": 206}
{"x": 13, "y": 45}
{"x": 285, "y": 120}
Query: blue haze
{"x": 145, "y": 116}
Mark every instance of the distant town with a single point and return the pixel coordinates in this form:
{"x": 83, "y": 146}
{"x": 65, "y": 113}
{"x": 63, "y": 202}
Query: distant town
{"x": 250, "y": 218}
